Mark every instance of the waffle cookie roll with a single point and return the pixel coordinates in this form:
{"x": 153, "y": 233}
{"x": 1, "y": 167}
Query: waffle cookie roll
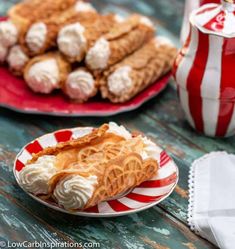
{"x": 122, "y": 40}
{"x": 22, "y": 15}
{"x": 41, "y": 35}
{"x": 124, "y": 80}
{"x": 83, "y": 172}
{"x": 28, "y": 11}
{"x": 46, "y": 72}
{"x": 75, "y": 38}
{"x": 80, "y": 85}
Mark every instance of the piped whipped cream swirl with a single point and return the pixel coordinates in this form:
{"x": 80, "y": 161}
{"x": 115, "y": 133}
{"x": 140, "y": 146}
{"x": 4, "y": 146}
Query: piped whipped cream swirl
{"x": 43, "y": 77}
{"x": 34, "y": 177}
{"x": 71, "y": 40}
{"x": 8, "y": 34}
{"x": 98, "y": 55}
{"x": 74, "y": 191}
{"x": 36, "y": 36}
{"x": 80, "y": 85}
{"x": 120, "y": 82}
{"x": 17, "y": 59}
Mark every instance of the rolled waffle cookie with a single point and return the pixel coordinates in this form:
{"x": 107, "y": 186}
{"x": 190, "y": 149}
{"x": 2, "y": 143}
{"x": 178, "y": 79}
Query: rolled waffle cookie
{"x": 98, "y": 166}
{"x": 80, "y": 85}
{"x": 126, "y": 79}
{"x": 41, "y": 35}
{"x": 47, "y": 72}
{"x": 28, "y": 11}
{"x": 74, "y": 39}
{"x": 17, "y": 60}
{"x": 122, "y": 40}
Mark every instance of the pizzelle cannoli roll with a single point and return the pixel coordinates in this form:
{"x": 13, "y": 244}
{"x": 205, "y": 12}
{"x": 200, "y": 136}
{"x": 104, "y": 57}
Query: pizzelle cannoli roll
{"x": 43, "y": 165}
{"x": 28, "y": 11}
{"x": 74, "y": 39}
{"x": 122, "y": 40}
{"x": 41, "y": 35}
{"x": 80, "y": 85}
{"x": 17, "y": 60}
{"x": 124, "y": 80}
{"x": 46, "y": 72}
{"x": 83, "y": 172}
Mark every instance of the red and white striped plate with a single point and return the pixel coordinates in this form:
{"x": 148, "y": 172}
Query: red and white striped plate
{"x": 144, "y": 196}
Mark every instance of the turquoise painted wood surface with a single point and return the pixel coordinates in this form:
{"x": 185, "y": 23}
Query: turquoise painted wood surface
{"x": 161, "y": 227}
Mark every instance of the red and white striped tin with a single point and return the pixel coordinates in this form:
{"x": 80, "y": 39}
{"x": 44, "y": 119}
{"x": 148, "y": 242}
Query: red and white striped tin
{"x": 144, "y": 196}
{"x": 204, "y": 68}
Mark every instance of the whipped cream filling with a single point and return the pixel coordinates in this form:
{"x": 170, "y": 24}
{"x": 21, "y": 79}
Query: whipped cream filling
{"x": 120, "y": 82}
{"x": 146, "y": 21}
{"x": 34, "y": 177}
{"x": 119, "y": 130}
{"x": 36, "y": 36}
{"x": 71, "y": 40}
{"x": 84, "y": 7}
{"x": 151, "y": 150}
{"x": 8, "y": 34}
{"x": 162, "y": 40}
{"x": 119, "y": 18}
{"x": 80, "y": 85}
{"x": 74, "y": 191}
{"x": 44, "y": 77}
{"x": 3, "y": 52}
{"x": 98, "y": 55}
{"x": 17, "y": 59}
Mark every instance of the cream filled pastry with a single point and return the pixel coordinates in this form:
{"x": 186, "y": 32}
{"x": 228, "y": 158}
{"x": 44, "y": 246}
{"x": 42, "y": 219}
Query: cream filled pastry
{"x": 8, "y": 34}
{"x": 124, "y": 80}
{"x": 34, "y": 177}
{"x": 123, "y": 39}
{"x": 83, "y": 172}
{"x": 45, "y": 73}
{"x": 80, "y": 85}
{"x": 75, "y": 39}
{"x": 17, "y": 59}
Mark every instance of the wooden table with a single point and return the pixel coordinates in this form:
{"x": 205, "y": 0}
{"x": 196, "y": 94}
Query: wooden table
{"x": 161, "y": 227}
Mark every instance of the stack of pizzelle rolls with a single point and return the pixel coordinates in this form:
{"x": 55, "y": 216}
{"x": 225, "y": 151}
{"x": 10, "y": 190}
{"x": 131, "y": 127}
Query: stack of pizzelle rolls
{"x": 68, "y": 45}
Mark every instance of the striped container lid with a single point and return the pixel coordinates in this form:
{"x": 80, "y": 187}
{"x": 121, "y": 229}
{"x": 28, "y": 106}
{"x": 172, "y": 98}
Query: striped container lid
{"x": 217, "y": 19}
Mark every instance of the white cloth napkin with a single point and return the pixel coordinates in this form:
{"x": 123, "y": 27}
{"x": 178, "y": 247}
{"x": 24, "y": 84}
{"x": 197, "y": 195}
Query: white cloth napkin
{"x": 211, "y": 211}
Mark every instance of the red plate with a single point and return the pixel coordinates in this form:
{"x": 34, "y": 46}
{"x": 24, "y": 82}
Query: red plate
{"x": 142, "y": 197}
{"x": 15, "y": 95}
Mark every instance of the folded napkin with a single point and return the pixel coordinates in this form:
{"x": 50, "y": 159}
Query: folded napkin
{"x": 211, "y": 211}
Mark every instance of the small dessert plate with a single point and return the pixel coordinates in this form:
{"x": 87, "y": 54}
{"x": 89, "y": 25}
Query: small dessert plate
{"x": 142, "y": 197}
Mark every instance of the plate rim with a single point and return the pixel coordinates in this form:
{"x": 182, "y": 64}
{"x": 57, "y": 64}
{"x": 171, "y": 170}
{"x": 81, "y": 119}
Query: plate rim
{"x": 90, "y": 214}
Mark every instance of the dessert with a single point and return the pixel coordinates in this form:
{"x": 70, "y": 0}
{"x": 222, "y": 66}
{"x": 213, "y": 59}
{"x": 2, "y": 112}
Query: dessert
{"x": 46, "y": 72}
{"x": 80, "y": 85}
{"x": 41, "y": 35}
{"x": 85, "y": 171}
{"x": 17, "y": 60}
{"x": 123, "y": 39}
{"x": 124, "y": 80}
{"x": 75, "y": 39}
{"x": 26, "y": 12}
